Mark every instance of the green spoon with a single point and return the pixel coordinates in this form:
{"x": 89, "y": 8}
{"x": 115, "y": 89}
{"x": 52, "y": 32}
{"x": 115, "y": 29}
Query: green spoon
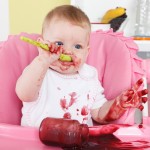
{"x": 63, "y": 57}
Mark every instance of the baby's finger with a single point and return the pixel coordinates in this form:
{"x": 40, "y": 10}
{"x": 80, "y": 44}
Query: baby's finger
{"x": 41, "y": 51}
{"x": 129, "y": 92}
{"x": 52, "y": 47}
{"x": 141, "y": 107}
{"x": 138, "y": 84}
{"x": 142, "y": 92}
{"x": 61, "y": 50}
{"x": 57, "y": 49}
{"x": 144, "y": 99}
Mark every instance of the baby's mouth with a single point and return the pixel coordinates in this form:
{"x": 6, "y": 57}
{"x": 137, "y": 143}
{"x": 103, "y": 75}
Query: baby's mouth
{"x": 65, "y": 58}
{"x": 66, "y": 63}
{"x": 74, "y": 60}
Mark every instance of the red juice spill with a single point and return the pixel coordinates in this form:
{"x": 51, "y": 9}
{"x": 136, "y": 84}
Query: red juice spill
{"x": 140, "y": 126}
{"x": 110, "y": 142}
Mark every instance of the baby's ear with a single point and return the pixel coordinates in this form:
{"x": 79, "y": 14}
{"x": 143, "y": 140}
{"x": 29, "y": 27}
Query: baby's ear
{"x": 88, "y": 48}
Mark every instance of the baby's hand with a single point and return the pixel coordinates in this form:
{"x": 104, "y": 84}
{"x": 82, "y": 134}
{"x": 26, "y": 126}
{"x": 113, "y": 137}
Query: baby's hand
{"x": 55, "y": 51}
{"x": 53, "y": 54}
{"x": 133, "y": 98}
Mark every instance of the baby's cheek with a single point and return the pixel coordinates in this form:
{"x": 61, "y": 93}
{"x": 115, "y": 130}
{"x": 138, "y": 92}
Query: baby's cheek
{"x": 78, "y": 62}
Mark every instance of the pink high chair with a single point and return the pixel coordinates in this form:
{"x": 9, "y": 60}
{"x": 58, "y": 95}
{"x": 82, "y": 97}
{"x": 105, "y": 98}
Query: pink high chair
{"x": 111, "y": 53}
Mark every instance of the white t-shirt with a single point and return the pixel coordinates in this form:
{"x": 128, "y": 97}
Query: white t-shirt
{"x": 65, "y": 96}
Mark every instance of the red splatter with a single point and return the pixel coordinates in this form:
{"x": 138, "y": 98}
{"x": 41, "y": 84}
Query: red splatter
{"x": 76, "y": 60}
{"x": 85, "y": 118}
{"x": 63, "y": 104}
{"x": 110, "y": 142}
{"x": 55, "y": 49}
{"x": 140, "y": 126}
{"x": 84, "y": 110}
{"x": 141, "y": 107}
{"x": 102, "y": 129}
{"x": 73, "y": 98}
{"x": 73, "y": 94}
{"x": 67, "y": 115}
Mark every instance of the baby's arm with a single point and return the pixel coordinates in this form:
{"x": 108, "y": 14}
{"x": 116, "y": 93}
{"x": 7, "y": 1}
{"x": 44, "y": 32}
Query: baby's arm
{"x": 29, "y": 83}
{"x": 114, "y": 109}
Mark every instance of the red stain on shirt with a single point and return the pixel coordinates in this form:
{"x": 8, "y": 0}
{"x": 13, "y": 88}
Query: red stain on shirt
{"x": 84, "y": 120}
{"x": 63, "y": 103}
{"x": 73, "y": 98}
{"x": 84, "y": 111}
{"x": 67, "y": 115}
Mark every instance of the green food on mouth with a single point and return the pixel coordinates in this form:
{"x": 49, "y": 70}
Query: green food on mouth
{"x": 64, "y": 57}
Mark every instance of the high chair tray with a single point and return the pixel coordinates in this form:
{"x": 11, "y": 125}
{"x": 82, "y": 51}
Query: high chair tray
{"x": 13, "y": 137}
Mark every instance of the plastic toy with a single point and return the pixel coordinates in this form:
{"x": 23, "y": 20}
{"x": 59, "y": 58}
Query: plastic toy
{"x": 114, "y": 17}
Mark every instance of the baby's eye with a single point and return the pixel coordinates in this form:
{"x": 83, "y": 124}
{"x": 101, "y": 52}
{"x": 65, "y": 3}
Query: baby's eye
{"x": 59, "y": 43}
{"x": 77, "y": 46}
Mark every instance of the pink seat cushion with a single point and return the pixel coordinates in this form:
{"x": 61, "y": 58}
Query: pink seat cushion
{"x": 14, "y": 56}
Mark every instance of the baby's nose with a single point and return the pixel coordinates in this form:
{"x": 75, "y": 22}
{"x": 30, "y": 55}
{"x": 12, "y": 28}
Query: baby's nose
{"x": 66, "y": 50}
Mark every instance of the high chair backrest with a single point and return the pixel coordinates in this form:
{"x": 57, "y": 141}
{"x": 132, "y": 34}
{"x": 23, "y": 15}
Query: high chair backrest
{"x": 115, "y": 58}
{"x": 14, "y": 56}
{"x": 118, "y": 65}
{"x": 111, "y": 53}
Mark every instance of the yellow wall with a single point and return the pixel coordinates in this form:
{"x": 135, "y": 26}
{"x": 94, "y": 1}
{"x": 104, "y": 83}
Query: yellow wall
{"x": 28, "y": 15}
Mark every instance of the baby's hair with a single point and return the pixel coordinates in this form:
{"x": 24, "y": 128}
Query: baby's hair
{"x": 70, "y": 13}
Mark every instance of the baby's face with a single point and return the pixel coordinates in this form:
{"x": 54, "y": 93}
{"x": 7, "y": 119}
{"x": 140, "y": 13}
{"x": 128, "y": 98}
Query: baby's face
{"x": 74, "y": 40}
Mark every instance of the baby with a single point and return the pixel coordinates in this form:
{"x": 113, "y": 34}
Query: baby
{"x": 51, "y": 87}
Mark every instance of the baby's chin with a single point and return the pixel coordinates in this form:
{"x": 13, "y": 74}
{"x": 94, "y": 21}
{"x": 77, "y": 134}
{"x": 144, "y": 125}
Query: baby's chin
{"x": 67, "y": 71}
